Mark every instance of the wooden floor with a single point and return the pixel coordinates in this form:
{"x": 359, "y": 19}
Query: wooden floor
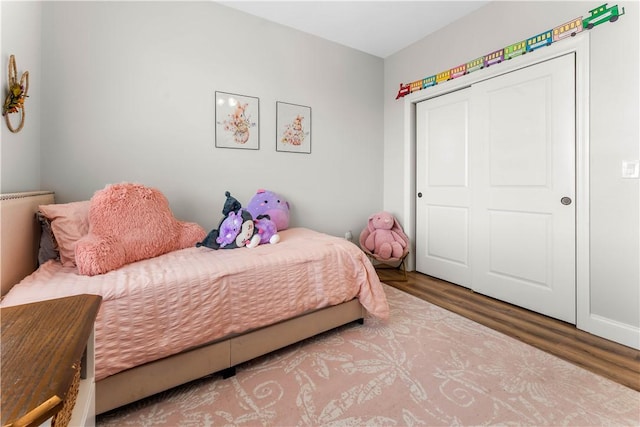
{"x": 609, "y": 359}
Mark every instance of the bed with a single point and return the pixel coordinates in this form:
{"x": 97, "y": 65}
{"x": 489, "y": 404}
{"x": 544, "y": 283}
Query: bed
{"x": 195, "y": 311}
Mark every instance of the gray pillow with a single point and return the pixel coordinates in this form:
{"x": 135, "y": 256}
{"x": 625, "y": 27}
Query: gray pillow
{"x": 48, "y": 245}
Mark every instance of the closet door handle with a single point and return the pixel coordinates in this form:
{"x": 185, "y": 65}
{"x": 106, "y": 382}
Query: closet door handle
{"x": 419, "y": 194}
{"x": 565, "y": 200}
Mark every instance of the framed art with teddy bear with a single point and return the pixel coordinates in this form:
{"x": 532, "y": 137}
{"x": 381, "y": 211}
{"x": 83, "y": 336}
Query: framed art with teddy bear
{"x": 237, "y": 121}
{"x": 293, "y": 124}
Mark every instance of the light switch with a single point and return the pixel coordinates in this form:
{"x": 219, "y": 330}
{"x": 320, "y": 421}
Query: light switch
{"x": 631, "y": 169}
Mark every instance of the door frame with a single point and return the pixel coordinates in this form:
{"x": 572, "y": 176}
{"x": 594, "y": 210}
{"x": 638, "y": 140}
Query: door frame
{"x": 578, "y": 45}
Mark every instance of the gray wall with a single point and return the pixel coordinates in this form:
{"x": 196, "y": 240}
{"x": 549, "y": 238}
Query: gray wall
{"x": 614, "y": 202}
{"x": 20, "y": 152}
{"x": 127, "y": 95}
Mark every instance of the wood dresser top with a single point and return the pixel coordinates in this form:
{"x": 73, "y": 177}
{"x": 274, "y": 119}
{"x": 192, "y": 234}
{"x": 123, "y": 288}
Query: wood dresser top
{"x": 41, "y": 344}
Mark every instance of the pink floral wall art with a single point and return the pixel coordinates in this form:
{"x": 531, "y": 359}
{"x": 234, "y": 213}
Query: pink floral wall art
{"x": 293, "y": 124}
{"x": 237, "y": 121}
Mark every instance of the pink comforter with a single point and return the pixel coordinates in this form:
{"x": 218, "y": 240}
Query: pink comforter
{"x": 161, "y": 306}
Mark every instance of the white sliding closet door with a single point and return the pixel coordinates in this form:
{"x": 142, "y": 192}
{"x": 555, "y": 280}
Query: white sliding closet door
{"x": 442, "y": 173}
{"x": 524, "y": 201}
{"x": 496, "y": 169}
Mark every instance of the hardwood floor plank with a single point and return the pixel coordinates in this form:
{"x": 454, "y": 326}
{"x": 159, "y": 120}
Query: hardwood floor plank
{"x": 601, "y": 356}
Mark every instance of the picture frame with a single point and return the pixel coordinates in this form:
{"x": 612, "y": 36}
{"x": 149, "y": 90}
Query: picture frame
{"x": 293, "y": 128}
{"x": 237, "y": 121}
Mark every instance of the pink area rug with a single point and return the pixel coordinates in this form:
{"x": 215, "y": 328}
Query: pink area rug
{"x": 424, "y": 367}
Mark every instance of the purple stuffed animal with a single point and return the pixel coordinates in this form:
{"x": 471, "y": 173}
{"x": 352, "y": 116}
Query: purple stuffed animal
{"x": 236, "y": 228}
{"x": 266, "y": 202}
{"x": 267, "y": 230}
{"x": 239, "y": 228}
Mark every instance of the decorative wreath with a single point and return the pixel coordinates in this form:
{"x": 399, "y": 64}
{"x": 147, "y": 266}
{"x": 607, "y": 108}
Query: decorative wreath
{"x": 14, "y": 102}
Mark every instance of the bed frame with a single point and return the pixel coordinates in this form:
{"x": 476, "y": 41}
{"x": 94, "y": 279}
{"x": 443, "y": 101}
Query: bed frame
{"x": 20, "y": 233}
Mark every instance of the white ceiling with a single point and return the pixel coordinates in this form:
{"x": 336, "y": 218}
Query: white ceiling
{"x": 378, "y": 27}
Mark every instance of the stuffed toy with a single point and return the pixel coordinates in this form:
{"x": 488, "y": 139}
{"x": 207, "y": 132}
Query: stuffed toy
{"x": 231, "y": 204}
{"x": 266, "y": 202}
{"x": 386, "y": 238}
{"x": 238, "y": 228}
{"x": 267, "y": 230}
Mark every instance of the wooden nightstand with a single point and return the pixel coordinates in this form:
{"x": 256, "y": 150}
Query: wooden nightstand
{"x": 43, "y": 344}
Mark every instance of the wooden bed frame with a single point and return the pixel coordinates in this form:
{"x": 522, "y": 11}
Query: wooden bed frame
{"x": 20, "y": 233}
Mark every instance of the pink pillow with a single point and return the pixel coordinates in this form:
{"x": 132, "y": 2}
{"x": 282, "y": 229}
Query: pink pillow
{"x": 69, "y": 223}
{"x": 129, "y": 223}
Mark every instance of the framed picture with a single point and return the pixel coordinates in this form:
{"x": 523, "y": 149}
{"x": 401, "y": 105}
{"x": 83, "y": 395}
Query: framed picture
{"x": 293, "y": 128}
{"x": 237, "y": 121}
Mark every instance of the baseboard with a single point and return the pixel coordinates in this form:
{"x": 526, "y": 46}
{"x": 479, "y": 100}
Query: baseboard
{"x": 612, "y": 330}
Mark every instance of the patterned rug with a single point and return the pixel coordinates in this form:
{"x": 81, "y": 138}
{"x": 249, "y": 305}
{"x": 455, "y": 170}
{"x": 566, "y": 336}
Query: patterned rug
{"x": 424, "y": 367}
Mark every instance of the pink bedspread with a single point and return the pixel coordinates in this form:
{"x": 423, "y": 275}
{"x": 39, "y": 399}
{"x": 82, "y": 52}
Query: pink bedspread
{"x": 161, "y": 306}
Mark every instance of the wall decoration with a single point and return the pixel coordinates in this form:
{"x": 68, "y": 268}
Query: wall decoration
{"x": 293, "y": 128}
{"x": 237, "y": 121}
{"x": 14, "y": 102}
{"x": 597, "y": 16}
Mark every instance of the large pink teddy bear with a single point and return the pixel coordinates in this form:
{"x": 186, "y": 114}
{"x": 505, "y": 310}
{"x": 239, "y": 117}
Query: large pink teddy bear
{"x": 386, "y": 238}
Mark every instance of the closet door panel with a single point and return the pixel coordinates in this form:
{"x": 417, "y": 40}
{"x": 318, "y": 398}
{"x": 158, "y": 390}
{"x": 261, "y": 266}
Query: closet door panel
{"x": 523, "y": 217}
{"x": 442, "y": 228}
